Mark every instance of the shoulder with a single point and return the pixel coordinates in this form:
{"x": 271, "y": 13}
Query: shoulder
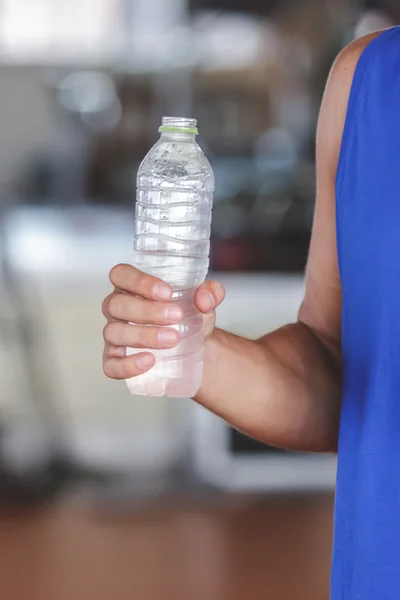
{"x": 344, "y": 66}
{"x": 321, "y": 308}
{"x": 336, "y": 97}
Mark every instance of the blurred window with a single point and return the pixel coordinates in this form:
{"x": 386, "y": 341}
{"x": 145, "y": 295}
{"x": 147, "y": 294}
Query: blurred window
{"x": 48, "y": 30}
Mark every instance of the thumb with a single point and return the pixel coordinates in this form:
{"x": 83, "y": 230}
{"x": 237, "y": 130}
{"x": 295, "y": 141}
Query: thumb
{"x": 208, "y": 296}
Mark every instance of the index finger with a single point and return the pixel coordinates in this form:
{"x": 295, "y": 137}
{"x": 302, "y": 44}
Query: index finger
{"x": 129, "y": 279}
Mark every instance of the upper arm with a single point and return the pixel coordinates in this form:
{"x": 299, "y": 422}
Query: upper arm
{"x": 322, "y": 305}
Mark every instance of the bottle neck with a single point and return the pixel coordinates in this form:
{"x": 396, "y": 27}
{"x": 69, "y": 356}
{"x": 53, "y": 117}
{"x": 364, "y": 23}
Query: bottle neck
{"x": 178, "y": 137}
{"x": 178, "y": 128}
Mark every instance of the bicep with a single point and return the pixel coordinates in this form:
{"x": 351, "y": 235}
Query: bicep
{"x": 322, "y": 305}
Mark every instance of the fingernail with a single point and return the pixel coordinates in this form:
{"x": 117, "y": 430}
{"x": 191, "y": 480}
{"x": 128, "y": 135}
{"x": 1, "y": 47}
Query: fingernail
{"x": 167, "y": 336}
{"x": 173, "y": 313}
{"x": 162, "y": 291}
{"x": 207, "y": 300}
{"x": 145, "y": 362}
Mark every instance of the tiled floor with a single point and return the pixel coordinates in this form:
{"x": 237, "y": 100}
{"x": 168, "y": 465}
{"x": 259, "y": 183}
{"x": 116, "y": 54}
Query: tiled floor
{"x": 240, "y": 548}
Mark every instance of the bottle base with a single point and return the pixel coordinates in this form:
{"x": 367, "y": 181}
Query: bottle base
{"x": 178, "y": 371}
{"x": 172, "y": 388}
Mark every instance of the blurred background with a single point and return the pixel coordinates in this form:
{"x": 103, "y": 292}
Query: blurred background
{"x": 105, "y": 495}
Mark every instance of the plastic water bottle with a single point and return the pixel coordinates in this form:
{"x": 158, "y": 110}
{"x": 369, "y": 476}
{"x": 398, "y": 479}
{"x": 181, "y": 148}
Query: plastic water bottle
{"x": 175, "y": 185}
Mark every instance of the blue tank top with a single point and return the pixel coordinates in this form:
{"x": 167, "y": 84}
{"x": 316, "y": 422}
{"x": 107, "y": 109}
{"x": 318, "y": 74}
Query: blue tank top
{"x": 366, "y": 556}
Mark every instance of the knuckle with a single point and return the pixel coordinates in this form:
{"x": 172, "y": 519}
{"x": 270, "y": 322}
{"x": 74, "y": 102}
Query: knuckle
{"x": 108, "y": 370}
{"x": 130, "y": 336}
{"x": 140, "y": 337}
{"x": 114, "y": 304}
{"x": 106, "y": 351}
{"x": 143, "y": 311}
{"x": 142, "y": 281}
{"x": 159, "y": 314}
{"x": 144, "y": 337}
{"x": 127, "y": 370}
{"x": 109, "y": 333}
{"x": 104, "y": 306}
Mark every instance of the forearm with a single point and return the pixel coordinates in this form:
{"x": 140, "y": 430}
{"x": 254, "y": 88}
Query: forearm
{"x": 283, "y": 389}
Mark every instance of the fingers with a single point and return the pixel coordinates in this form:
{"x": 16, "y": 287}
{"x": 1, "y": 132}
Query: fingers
{"x": 132, "y": 336}
{"x": 209, "y": 295}
{"x": 131, "y": 280}
{"x": 124, "y": 307}
{"x": 146, "y": 301}
{"x": 129, "y": 366}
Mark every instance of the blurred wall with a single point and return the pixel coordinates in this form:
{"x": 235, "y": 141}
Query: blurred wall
{"x": 27, "y": 120}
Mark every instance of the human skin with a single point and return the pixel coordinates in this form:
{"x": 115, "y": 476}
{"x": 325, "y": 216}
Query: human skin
{"x": 284, "y": 388}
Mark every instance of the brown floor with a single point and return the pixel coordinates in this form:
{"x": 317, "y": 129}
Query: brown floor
{"x": 238, "y": 549}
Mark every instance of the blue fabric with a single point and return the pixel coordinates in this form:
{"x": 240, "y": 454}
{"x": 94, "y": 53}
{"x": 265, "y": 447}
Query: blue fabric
{"x": 366, "y": 557}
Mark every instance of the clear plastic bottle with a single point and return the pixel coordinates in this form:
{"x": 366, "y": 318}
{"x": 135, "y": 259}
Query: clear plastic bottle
{"x": 175, "y": 185}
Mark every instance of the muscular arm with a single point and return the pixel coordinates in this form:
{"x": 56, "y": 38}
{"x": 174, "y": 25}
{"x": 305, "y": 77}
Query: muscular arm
{"x": 285, "y": 388}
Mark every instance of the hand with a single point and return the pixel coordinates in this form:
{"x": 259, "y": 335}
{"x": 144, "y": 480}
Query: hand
{"x": 144, "y": 300}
